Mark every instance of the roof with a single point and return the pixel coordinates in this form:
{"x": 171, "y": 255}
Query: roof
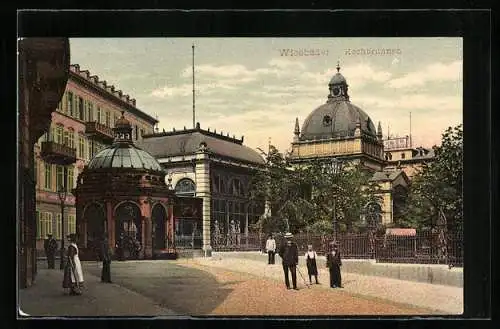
{"x": 344, "y": 117}
{"x": 401, "y": 231}
{"x": 337, "y": 79}
{"x": 124, "y": 156}
{"x": 386, "y": 175}
{"x": 188, "y": 142}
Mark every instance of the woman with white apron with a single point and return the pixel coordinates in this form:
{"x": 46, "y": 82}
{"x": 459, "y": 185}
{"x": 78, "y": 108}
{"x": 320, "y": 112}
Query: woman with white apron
{"x": 73, "y": 274}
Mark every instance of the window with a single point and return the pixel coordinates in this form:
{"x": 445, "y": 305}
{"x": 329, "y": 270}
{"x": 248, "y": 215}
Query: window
{"x": 81, "y": 110}
{"x": 59, "y": 176}
{"x": 71, "y": 138}
{"x": 71, "y": 224}
{"x": 185, "y": 187}
{"x": 81, "y": 147}
{"x": 402, "y": 155}
{"x": 59, "y": 137}
{"x": 90, "y": 111}
{"x": 58, "y": 226}
{"x": 108, "y": 119}
{"x": 90, "y": 154}
{"x": 70, "y": 177}
{"x": 98, "y": 117}
{"x": 71, "y": 110}
{"x": 45, "y": 224}
{"x": 48, "y": 176}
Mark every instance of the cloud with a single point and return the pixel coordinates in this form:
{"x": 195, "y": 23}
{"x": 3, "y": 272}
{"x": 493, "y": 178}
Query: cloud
{"x": 434, "y": 72}
{"x": 356, "y": 75}
{"x": 409, "y": 102}
{"x": 286, "y": 64}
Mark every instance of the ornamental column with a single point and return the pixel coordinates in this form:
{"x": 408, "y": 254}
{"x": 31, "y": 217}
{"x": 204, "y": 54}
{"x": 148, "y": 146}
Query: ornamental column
{"x": 202, "y": 171}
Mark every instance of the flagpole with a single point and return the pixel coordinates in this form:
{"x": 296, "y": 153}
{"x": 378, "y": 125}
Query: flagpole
{"x": 193, "y": 90}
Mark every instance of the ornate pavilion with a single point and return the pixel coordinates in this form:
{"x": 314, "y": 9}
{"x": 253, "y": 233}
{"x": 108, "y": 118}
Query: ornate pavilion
{"x": 123, "y": 191}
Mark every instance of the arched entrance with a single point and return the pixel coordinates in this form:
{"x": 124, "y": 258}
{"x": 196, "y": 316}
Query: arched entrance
{"x": 158, "y": 218}
{"x": 128, "y": 224}
{"x": 95, "y": 218}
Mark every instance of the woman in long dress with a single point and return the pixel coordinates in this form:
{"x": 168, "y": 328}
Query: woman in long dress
{"x": 73, "y": 274}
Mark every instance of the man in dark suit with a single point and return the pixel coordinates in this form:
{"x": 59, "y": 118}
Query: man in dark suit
{"x": 106, "y": 260}
{"x": 333, "y": 262}
{"x": 290, "y": 258}
{"x": 50, "y": 246}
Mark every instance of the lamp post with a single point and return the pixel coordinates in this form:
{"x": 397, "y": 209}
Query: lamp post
{"x": 62, "y": 193}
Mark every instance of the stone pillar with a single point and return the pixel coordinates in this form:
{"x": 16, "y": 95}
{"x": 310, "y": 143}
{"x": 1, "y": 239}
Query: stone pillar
{"x": 202, "y": 171}
{"x": 148, "y": 243}
{"x": 111, "y": 224}
{"x": 170, "y": 225}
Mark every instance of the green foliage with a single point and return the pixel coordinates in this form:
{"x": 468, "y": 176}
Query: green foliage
{"x": 439, "y": 186}
{"x": 308, "y": 197}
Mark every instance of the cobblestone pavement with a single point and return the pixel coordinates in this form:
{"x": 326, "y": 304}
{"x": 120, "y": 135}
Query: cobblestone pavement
{"x": 200, "y": 286}
{"x": 190, "y": 288}
{"x": 48, "y": 298}
{"x": 440, "y": 298}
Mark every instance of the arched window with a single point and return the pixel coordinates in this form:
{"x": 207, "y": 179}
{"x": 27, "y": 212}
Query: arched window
{"x": 185, "y": 187}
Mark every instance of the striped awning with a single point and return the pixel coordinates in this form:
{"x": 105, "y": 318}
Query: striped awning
{"x": 401, "y": 231}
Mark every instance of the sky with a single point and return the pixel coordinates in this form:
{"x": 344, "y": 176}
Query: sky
{"x": 256, "y": 87}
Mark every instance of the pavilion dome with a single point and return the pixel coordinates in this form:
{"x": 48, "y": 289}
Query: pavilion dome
{"x": 123, "y": 153}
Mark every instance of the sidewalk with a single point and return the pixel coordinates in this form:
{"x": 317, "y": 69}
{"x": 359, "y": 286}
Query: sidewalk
{"x": 48, "y": 298}
{"x": 444, "y": 299}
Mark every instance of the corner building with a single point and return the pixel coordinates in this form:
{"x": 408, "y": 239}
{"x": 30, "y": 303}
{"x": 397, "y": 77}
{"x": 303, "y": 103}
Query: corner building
{"x": 80, "y": 127}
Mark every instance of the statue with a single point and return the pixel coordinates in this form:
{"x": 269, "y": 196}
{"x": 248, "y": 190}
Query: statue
{"x": 238, "y": 232}
{"x": 233, "y": 231}
{"x": 216, "y": 232}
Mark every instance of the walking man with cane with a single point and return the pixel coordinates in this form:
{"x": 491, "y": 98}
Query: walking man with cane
{"x": 290, "y": 258}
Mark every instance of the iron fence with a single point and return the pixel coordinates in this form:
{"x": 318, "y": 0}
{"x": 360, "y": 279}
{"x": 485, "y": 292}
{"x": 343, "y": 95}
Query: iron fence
{"x": 423, "y": 247}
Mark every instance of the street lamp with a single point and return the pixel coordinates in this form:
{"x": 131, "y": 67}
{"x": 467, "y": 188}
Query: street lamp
{"x": 62, "y": 193}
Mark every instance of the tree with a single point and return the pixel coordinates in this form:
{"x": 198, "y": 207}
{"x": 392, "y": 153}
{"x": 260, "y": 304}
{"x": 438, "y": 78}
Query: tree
{"x": 437, "y": 189}
{"x": 280, "y": 186}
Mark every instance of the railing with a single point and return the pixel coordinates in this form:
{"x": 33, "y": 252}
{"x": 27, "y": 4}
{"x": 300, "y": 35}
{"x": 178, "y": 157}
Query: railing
{"x": 237, "y": 242}
{"x": 99, "y": 130}
{"x": 423, "y": 248}
{"x": 58, "y": 153}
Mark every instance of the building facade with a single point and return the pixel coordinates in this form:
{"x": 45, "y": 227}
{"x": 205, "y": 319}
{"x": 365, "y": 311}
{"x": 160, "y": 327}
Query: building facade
{"x": 43, "y": 69}
{"x": 341, "y": 131}
{"x": 80, "y": 127}
{"x": 217, "y": 169}
{"x": 399, "y": 153}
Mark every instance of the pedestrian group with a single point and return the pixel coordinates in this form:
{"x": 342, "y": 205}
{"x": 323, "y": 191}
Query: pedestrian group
{"x": 288, "y": 252}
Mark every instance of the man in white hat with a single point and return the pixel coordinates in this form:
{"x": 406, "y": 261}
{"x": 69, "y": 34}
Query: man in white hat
{"x": 290, "y": 258}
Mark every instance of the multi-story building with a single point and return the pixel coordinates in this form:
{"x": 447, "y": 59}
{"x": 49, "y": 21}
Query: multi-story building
{"x": 399, "y": 153}
{"x": 80, "y": 127}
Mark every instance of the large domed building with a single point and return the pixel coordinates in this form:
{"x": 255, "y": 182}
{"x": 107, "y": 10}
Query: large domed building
{"x": 339, "y": 129}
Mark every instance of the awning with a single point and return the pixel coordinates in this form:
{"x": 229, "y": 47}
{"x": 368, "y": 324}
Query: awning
{"x": 401, "y": 231}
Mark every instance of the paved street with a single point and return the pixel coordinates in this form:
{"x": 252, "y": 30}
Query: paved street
{"x": 199, "y": 287}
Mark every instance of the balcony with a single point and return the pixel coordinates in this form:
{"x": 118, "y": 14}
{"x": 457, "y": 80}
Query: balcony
{"x": 56, "y": 153}
{"x": 99, "y": 131}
